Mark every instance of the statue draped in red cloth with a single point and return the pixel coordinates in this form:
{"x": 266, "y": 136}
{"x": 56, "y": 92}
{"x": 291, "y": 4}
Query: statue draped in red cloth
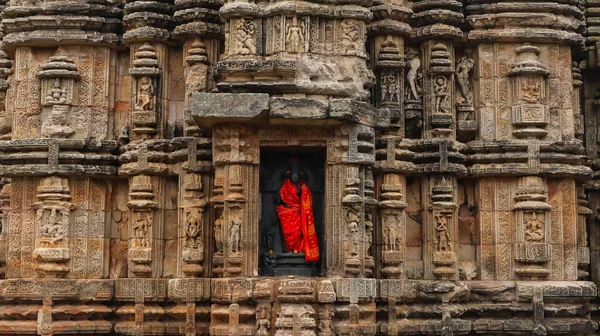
{"x": 296, "y": 217}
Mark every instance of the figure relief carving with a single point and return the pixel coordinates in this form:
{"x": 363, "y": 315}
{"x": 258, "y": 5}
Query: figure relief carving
{"x": 352, "y": 222}
{"x": 463, "y": 70}
{"x": 53, "y": 217}
{"x": 218, "y": 227}
{"x": 142, "y": 220}
{"x": 263, "y": 322}
{"x": 245, "y": 36}
{"x": 443, "y": 242}
{"x": 440, "y": 88}
{"x": 57, "y": 94}
{"x": 145, "y": 94}
{"x": 531, "y": 90}
{"x": 413, "y": 77}
{"x": 235, "y": 235}
{"x": 325, "y": 326}
{"x": 368, "y": 232}
{"x": 350, "y": 37}
{"x": 295, "y": 36}
{"x": 534, "y": 228}
{"x": 389, "y": 87}
{"x": 193, "y": 227}
{"x": 55, "y": 224}
{"x": 391, "y": 232}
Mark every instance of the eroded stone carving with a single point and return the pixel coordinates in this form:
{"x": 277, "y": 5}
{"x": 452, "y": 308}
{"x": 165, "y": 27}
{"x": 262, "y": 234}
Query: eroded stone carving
{"x": 245, "y": 36}
{"x": 58, "y": 78}
{"x": 146, "y": 74}
{"x": 463, "y": 70}
{"x": 350, "y": 37}
{"x": 235, "y": 235}
{"x": 295, "y": 36}
{"x": 413, "y": 77}
{"x": 443, "y": 242}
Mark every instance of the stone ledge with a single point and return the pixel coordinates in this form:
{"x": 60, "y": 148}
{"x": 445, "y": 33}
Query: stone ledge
{"x": 207, "y": 109}
{"x": 228, "y": 290}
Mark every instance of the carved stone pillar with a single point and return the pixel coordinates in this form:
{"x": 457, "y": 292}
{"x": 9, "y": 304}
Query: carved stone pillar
{"x": 393, "y": 161}
{"x": 439, "y": 150}
{"x": 145, "y": 167}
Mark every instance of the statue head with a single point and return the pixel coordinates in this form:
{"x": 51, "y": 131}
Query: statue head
{"x": 295, "y": 172}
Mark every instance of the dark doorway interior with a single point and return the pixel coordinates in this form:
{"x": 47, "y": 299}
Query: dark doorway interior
{"x": 274, "y": 165}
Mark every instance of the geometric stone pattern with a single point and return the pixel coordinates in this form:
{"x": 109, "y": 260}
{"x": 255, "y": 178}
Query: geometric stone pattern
{"x": 461, "y": 145}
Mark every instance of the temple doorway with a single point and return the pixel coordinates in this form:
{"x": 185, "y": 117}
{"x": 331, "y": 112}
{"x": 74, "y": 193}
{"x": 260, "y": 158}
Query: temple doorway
{"x": 278, "y": 165}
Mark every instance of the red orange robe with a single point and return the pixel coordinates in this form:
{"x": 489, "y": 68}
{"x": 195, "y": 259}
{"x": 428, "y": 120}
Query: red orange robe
{"x": 297, "y": 221}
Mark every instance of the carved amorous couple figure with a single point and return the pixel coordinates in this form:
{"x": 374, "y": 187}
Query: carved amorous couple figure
{"x": 296, "y": 214}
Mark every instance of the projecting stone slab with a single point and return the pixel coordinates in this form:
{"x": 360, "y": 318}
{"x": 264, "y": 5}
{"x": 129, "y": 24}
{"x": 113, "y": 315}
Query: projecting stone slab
{"x": 291, "y": 109}
{"x": 209, "y": 108}
{"x": 359, "y": 112}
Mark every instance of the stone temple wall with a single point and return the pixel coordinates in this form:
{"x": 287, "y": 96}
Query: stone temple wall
{"x": 461, "y": 192}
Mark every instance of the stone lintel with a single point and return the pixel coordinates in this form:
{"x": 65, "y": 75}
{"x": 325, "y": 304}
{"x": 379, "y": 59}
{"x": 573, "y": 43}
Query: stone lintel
{"x": 207, "y": 109}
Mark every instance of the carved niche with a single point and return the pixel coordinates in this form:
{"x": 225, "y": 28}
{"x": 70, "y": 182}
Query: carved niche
{"x": 413, "y": 95}
{"x": 53, "y": 219}
{"x": 143, "y": 207}
{"x": 58, "y": 78}
{"x": 441, "y": 79}
{"x": 192, "y": 227}
{"x": 464, "y": 101}
{"x": 442, "y": 227}
{"x": 530, "y": 111}
{"x": 532, "y": 212}
{"x": 146, "y": 77}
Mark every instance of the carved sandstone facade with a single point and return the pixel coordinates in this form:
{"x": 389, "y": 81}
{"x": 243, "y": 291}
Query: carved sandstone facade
{"x": 451, "y": 149}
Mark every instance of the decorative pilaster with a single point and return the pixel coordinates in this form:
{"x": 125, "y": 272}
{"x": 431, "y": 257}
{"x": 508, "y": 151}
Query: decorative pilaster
{"x": 235, "y": 156}
{"x": 6, "y": 119}
{"x": 393, "y": 225}
{"x": 146, "y": 75}
{"x": 144, "y": 229}
{"x": 4, "y": 226}
{"x": 533, "y": 228}
{"x": 193, "y": 229}
{"x": 441, "y": 228}
{"x": 583, "y": 251}
{"x": 53, "y": 219}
